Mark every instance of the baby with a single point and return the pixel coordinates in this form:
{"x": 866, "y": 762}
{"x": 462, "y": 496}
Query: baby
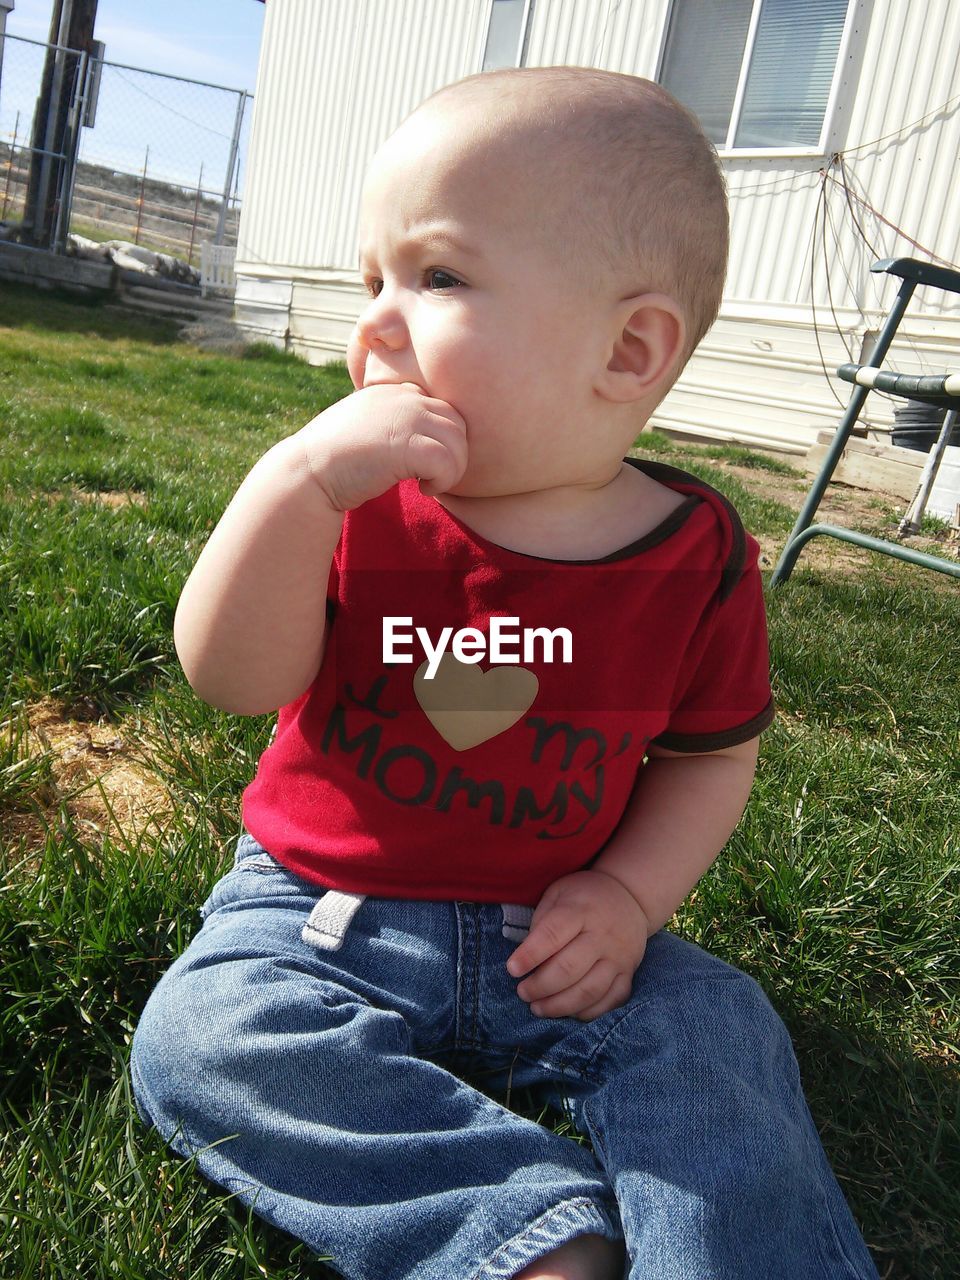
{"x": 454, "y": 875}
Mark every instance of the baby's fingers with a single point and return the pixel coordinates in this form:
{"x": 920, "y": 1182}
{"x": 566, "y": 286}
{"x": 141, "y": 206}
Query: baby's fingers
{"x": 436, "y": 452}
{"x": 567, "y": 967}
{"x": 546, "y": 937}
{"x": 592, "y": 992}
{"x": 437, "y": 465}
{"x": 618, "y": 994}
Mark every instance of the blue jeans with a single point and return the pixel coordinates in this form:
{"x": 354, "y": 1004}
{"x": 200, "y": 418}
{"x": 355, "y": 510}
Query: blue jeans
{"x": 324, "y": 1081}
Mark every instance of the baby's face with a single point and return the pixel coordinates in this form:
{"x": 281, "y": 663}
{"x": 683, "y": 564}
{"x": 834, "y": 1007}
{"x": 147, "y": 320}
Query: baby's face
{"x": 469, "y": 299}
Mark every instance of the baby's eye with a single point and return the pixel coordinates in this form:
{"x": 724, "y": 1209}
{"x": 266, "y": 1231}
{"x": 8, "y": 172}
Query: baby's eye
{"x": 374, "y": 286}
{"x": 439, "y": 279}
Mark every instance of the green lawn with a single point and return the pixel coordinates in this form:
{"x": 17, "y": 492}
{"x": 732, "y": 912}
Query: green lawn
{"x": 119, "y": 448}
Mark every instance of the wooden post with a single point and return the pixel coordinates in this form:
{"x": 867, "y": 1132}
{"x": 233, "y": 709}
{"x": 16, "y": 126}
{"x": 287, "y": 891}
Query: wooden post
{"x": 71, "y": 28}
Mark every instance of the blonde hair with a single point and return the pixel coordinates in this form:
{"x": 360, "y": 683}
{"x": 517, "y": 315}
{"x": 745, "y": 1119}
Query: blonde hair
{"x": 643, "y": 193}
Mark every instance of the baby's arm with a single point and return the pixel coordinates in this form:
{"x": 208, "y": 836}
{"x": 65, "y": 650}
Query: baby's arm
{"x": 590, "y": 929}
{"x": 250, "y": 628}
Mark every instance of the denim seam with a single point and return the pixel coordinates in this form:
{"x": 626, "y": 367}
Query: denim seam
{"x": 589, "y": 1069}
{"x": 458, "y": 1006}
{"x": 566, "y": 1068}
{"x": 853, "y": 1268}
{"x": 588, "y": 1211}
{"x": 259, "y": 864}
{"x": 476, "y": 972}
{"x": 594, "y": 1134}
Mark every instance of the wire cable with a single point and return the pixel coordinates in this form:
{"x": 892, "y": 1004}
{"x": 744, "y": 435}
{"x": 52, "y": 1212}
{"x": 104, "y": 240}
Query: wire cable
{"x": 904, "y": 128}
{"x": 821, "y": 202}
{"x": 899, "y": 230}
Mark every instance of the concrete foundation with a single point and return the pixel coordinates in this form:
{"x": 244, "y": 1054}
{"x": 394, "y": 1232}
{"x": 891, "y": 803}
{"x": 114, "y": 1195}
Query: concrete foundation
{"x": 24, "y": 265}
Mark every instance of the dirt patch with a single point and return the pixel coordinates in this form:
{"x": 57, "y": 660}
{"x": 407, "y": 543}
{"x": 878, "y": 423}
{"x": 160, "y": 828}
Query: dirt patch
{"x": 111, "y": 498}
{"x": 92, "y": 774}
{"x": 870, "y": 511}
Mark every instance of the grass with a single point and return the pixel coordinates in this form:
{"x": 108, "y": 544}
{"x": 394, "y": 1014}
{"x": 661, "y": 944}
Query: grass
{"x": 119, "y": 448}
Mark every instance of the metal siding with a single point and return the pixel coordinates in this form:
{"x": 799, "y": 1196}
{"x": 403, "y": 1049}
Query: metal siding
{"x": 405, "y": 53}
{"x": 634, "y": 35}
{"x": 293, "y": 162}
{"x": 601, "y": 33}
{"x": 336, "y": 76}
{"x": 559, "y": 30}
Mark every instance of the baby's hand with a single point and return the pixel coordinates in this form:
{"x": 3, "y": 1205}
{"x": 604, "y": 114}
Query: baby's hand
{"x": 364, "y": 444}
{"x": 588, "y": 937}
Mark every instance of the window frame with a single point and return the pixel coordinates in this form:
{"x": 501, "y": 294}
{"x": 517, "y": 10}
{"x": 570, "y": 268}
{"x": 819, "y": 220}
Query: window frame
{"x": 838, "y": 99}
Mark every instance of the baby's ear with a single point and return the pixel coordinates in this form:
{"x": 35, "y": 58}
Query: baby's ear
{"x": 649, "y": 337}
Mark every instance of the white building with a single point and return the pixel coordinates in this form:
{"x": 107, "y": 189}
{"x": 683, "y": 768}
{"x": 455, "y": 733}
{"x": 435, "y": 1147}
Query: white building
{"x": 838, "y": 123}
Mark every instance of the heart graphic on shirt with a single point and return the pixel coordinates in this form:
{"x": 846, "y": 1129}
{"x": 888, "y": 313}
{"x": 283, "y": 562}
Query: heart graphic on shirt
{"x": 468, "y": 706}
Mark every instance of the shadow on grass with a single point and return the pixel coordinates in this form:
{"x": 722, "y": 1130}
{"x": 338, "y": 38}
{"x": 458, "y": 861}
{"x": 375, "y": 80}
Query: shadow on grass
{"x": 889, "y": 1120}
{"x": 32, "y": 308}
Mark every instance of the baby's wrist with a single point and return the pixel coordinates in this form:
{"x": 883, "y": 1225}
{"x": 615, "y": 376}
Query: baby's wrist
{"x": 309, "y": 457}
{"x": 630, "y": 893}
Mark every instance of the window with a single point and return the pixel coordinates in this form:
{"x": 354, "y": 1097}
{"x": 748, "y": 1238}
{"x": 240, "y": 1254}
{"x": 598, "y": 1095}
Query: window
{"x": 757, "y": 73}
{"x": 506, "y": 34}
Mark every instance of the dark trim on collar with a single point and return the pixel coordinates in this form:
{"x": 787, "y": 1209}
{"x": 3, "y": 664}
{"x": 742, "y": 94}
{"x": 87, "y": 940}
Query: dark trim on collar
{"x": 664, "y": 530}
{"x": 733, "y": 568}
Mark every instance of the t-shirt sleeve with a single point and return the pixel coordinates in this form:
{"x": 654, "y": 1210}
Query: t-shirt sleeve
{"x": 724, "y": 687}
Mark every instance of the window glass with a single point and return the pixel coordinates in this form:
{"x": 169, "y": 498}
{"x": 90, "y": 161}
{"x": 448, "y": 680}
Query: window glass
{"x": 703, "y": 56}
{"x": 504, "y": 35}
{"x": 791, "y": 71}
{"x": 791, "y": 57}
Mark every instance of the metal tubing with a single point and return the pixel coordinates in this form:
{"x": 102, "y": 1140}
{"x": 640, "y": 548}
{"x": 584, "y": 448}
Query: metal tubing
{"x": 71, "y": 141}
{"x": 951, "y": 567}
{"x": 790, "y": 552}
{"x": 13, "y": 148}
{"x": 231, "y": 168}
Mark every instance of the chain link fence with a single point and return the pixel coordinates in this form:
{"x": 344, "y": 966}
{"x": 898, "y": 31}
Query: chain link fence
{"x": 144, "y": 157}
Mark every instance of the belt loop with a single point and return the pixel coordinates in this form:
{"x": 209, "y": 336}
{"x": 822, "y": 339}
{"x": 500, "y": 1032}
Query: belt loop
{"x": 516, "y": 921}
{"x": 329, "y": 920}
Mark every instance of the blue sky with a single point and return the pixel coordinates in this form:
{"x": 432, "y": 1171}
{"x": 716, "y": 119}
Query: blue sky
{"x": 215, "y": 40}
{"x": 181, "y": 131}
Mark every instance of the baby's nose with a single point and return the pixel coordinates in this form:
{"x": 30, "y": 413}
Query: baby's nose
{"x": 381, "y": 323}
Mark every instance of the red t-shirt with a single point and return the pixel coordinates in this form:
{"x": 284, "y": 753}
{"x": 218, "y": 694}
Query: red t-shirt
{"x": 490, "y": 780}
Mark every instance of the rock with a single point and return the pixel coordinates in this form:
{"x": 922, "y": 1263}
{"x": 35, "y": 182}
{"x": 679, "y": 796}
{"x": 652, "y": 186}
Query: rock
{"x": 146, "y": 257}
{"x": 81, "y": 247}
{"x": 133, "y": 257}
